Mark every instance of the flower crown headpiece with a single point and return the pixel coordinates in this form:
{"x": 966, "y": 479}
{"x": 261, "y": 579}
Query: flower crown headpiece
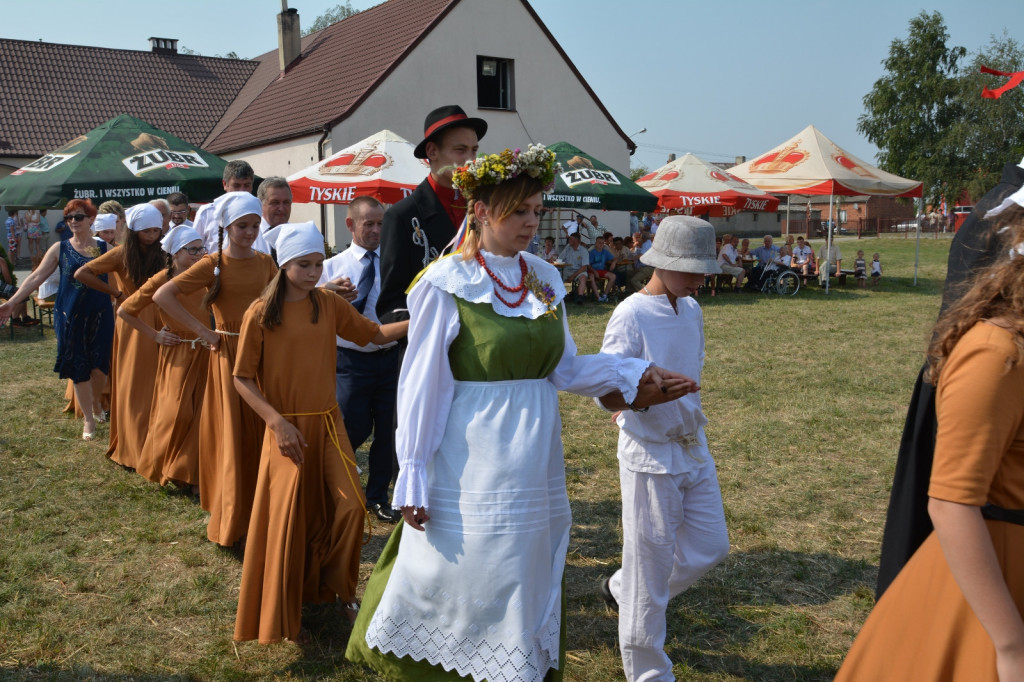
{"x": 537, "y": 161}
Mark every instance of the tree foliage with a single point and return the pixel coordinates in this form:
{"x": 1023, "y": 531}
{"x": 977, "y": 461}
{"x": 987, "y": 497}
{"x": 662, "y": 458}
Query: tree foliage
{"x": 331, "y": 16}
{"x": 638, "y": 171}
{"x": 927, "y": 116}
{"x": 989, "y": 132}
{"x": 912, "y": 107}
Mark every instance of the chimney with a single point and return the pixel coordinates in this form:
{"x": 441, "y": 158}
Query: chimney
{"x": 739, "y": 160}
{"x": 289, "y": 38}
{"x": 671, "y": 158}
{"x": 164, "y": 45}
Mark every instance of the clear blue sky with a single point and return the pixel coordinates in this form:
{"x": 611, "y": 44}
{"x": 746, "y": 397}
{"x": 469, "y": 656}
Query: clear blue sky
{"x": 719, "y": 79}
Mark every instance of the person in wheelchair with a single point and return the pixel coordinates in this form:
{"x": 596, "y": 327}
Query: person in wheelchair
{"x": 778, "y": 274}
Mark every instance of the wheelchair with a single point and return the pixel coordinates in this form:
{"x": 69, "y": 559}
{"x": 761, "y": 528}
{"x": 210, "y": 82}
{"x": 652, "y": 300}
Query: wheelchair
{"x": 780, "y": 280}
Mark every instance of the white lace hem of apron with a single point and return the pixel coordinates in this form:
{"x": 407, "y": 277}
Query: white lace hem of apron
{"x": 479, "y": 659}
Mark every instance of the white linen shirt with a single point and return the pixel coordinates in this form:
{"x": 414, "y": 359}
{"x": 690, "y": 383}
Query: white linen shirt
{"x": 728, "y": 255}
{"x": 349, "y": 263}
{"x": 647, "y": 327}
{"x": 802, "y": 253}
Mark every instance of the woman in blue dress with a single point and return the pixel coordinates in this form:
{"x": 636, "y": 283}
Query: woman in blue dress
{"x": 83, "y": 318}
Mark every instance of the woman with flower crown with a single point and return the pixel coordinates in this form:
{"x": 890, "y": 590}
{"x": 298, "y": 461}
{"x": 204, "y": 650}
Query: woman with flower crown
{"x": 473, "y": 586}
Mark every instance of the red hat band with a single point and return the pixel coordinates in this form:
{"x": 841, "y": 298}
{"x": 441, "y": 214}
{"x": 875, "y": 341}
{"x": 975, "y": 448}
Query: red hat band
{"x": 443, "y": 122}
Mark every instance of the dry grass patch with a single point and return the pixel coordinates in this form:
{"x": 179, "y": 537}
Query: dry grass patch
{"x": 105, "y": 575}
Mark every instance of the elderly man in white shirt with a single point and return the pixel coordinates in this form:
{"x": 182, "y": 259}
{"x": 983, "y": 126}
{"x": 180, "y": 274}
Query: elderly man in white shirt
{"x": 276, "y": 199}
{"x": 366, "y": 378}
{"x": 729, "y": 260}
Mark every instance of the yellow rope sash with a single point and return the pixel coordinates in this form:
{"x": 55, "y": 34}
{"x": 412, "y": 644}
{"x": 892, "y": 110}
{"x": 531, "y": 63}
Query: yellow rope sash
{"x": 332, "y": 432}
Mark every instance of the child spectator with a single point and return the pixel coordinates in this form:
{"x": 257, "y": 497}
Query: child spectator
{"x": 602, "y": 262}
{"x": 673, "y": 522}
{"x": 860, "y": 270}
{"x": 785, "y": 256}
{"x": 876, "y": 269}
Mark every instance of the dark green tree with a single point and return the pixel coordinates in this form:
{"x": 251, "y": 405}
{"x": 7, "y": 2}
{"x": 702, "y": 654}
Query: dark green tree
{"x": 912, "y": 107}
{"x": 988, "y": 133}
{"x": 331, "y": 16}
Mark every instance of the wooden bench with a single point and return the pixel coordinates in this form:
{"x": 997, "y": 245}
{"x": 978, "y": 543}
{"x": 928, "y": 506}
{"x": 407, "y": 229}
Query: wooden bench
{"x": 43, "y": 309}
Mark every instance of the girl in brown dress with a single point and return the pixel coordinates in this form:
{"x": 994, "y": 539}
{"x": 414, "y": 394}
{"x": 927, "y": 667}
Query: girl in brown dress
{"x": 954, "y": 611}
{"x": 307, "y": 520}
{"x": 171, "y": 452}
{"x": 230, "y": 433}
{"x": 134, "y": 355}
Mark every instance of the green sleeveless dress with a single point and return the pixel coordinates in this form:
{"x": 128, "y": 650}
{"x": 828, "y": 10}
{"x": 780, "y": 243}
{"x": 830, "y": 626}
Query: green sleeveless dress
{"x": 499, "y": 522}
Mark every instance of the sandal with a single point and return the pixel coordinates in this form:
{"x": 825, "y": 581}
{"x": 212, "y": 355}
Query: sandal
{"x": 88, "y": 435}
{"x": 100, "y": 418}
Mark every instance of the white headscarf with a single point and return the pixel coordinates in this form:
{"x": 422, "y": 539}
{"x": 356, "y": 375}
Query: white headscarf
{"x": 233, "y": 205}
{"x": 144, "y": 217}
{"x": 1015, "y": 198}
{"x": 292, "y": 240}
{"x": 104, "y": 221}
{"x": 177, "y": 237}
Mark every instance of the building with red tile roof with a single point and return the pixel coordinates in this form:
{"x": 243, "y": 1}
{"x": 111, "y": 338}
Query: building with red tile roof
{"x": 384, "y": 67}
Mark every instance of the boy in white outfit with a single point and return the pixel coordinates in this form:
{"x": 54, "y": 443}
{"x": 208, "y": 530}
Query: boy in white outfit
{"x": 673, "y": 523}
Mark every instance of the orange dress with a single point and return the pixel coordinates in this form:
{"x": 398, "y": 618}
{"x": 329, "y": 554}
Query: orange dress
{"x": 922, "y": 628}
{"x": 132, "y": 370}
{"x": 230, "y": 433}
{"x": 171, "y": 452}
{"x": 307, "y": 521}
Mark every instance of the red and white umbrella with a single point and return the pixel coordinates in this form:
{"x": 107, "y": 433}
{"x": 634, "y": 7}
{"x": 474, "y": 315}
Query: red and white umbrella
{"x": 810, "y": 163}
{"x": 382, "y": 166}
{"x": 697, "y": 187}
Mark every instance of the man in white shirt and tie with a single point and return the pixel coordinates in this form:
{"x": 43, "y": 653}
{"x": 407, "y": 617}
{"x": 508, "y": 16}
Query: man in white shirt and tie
{"x": 366, "y": 379}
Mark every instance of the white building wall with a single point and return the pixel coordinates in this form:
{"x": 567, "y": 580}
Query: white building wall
{"x": 551, "y": 104}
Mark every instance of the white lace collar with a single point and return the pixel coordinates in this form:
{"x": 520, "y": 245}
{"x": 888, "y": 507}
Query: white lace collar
{"x": 468, "y": 281}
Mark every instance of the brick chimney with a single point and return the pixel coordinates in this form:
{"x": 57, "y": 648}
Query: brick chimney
{"x": 164, "y": 45}
{"x": 289, "y": 38}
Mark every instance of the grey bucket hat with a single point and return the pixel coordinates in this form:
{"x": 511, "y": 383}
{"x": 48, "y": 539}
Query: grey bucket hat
{"x": 684, "y": 244}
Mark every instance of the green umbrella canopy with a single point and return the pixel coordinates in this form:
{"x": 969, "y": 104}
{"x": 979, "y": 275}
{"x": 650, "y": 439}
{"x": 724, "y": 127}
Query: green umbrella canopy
{"x": 587, "y": 183}
{"x": 125, "y": 159}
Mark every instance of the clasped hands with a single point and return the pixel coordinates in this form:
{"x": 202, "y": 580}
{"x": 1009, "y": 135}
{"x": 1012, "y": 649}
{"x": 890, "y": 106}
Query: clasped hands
{"x": 343, "y": 287}
{"x": 659, "y": 385}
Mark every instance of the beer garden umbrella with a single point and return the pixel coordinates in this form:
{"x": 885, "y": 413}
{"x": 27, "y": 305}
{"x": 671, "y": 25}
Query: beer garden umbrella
{"x": 125, "y": 159}
{"x": 586, "y": 183}
{"x": 696, "y": 187}
{"x": 382, "y": 166}
{"x": 810, "y": 163}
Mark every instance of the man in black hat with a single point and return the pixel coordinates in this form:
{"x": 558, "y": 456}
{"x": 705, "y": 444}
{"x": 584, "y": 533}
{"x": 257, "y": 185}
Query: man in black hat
{"x": 418, "y": 227}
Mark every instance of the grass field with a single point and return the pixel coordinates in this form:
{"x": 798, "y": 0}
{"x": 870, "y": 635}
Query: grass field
{"x": 103, "y": 575}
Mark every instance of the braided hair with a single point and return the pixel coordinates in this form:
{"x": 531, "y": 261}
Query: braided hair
{"x": 214, "y": 291}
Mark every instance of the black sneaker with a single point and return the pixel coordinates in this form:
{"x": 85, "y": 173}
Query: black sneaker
{"x": 384, "y": 512}
{"x": 606, "y": 594}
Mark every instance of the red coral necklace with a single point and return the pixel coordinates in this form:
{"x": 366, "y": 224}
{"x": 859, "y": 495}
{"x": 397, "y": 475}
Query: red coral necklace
{"x": 512, "y": 290}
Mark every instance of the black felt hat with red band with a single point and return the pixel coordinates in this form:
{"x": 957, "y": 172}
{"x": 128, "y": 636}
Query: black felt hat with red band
{"x": 443, "y": 118}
